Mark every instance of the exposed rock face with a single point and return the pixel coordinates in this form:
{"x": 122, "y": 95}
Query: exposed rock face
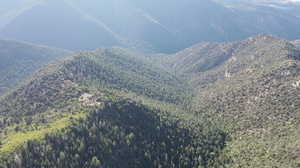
{"x": 296, "y": 84}
{"x": 89, "y": 100}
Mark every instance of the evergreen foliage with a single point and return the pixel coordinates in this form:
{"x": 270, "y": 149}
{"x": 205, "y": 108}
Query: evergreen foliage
{"x": 124, "y": 134}
{"x": 112, "y": 107}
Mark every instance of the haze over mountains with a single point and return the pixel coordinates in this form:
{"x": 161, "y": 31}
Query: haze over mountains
{"x": 249, "y": 88}
{"x": 19, "y": 60}
{"x": 184, "y": 87}
{"x": 152, "y": 26}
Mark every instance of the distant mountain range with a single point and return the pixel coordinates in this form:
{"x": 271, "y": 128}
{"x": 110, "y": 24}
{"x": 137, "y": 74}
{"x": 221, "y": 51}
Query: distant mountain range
{"x": 185, "y": 86}
{"x": 150, "y": 26}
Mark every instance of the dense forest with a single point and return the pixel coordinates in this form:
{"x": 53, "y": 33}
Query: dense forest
{"x": 149, "y": 84}
{"x": 80, "y": 95}
{"x": 252, "y": 85}
{"x": 212, "y": 105}
{"x": 124, "y": 134}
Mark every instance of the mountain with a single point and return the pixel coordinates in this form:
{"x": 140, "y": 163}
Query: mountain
{"x": 211, "y": 60}
{"x": 252, "y": 86}
{"x": 233, "y": 104}
{"x": 111, "y": 68}
{"x": 38, "y": 24}
{"x": 296, "y": 43}
{"x": 261, "y": 97}
{"x": 109, "y": 107}
{"x": 145, "y": 25}
{"x": 19, "y": 60}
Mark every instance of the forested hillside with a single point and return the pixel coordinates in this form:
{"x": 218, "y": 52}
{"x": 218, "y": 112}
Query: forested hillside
{"x": 125, "y": 134}
{"x": 19, "y": 60}
{"x": 253, "y": 85}
{"x": 217, "y": 105}
{"x": 83, "y": 93}
{"x": 214, "y": 61}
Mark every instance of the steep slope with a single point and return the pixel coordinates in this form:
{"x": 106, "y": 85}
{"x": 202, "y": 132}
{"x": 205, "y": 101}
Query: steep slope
{"x": 112, "y": 68}
{"x": 79, "y": 102}
{"x": 266, "y": 110}
{"x": 252, "y": 85}
{"x": 245, "y": 109}
{"x": 19, "y": 60}
{"x": 155, "y": 26}
{"x": 124, "y": 134}
{"x": 209, "y": 62}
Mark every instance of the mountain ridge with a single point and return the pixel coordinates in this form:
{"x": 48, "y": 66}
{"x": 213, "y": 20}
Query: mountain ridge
{"x": 19, "y": 60}
{"x": 138, "y": 24}
{"x": 231, "y": 104}
{"x": 254, "y": 88}
{"x": 64, "y": 97}
{"x": 200, "y": 59}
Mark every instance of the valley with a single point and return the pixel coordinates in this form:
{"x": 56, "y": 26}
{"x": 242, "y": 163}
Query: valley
{"x": 232, "y": 104}
{"x": 150, "y": 84}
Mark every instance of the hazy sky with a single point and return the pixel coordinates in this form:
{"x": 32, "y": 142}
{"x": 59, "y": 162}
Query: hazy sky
{"x": 290, "y": 0}
{"x": 263, "y": 1}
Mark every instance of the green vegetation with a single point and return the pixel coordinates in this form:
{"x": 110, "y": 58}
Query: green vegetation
{"x": 125, "y": 134}
{"x": 121, "y": 69}
{"x": 15, "y": 140}
{"x": 83, "y": 83}
{"x": 116, "y": 108}
{"x": 19, "y": 60}
{"x": 254, "y": 92}
{"x": 275, "y": 146}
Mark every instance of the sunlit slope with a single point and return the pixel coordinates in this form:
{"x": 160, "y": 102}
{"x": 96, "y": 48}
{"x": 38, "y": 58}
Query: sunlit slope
{"x": 263, "y": 102}
{"x": 83, "y": 97}
{"x": 126, "y": 134}
{"x": 113, "y": 68}
{"x": 245, "y": 109}
{"x": 253, "y": 86}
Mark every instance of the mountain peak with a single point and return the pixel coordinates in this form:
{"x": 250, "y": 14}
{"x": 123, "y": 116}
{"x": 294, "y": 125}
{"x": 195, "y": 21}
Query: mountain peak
{"x": 142, "y": 25}
{"x": 205, "y": 56}
{"x": 263, "y": 37}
